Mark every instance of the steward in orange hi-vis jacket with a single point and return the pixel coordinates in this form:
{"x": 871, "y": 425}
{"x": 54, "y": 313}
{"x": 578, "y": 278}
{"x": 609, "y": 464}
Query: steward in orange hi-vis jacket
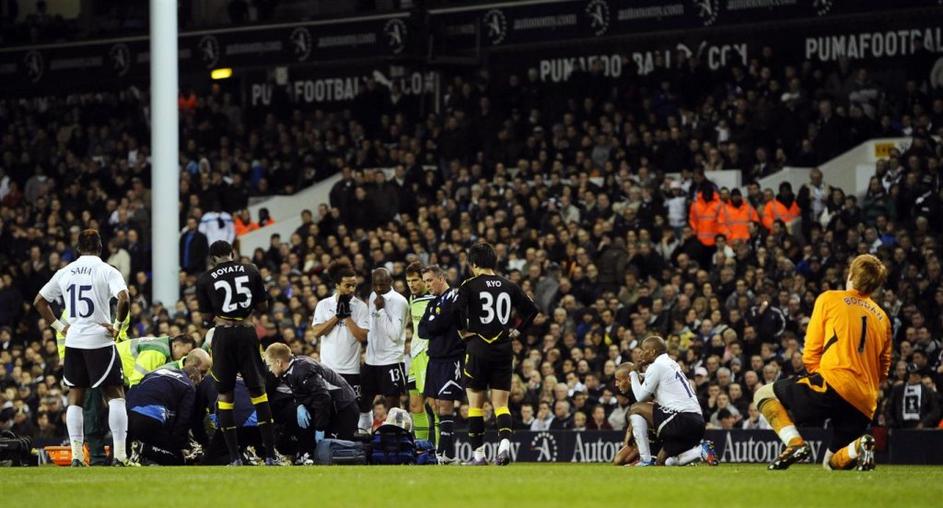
{"x": 704, "y": 216}
{"x": 736, "y": 216}
{"x": 783, "y": 208}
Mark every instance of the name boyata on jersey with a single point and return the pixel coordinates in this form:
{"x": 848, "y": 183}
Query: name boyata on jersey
{"x": 228, "y": 269}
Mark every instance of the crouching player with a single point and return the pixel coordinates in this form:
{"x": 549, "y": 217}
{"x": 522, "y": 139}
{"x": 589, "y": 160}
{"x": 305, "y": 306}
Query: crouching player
{"x": 326, "y": 402}
{"x": 675, "y": 415}
{"x": 847, "y": 354}
{"x": 159, "y": 409}
{"x": 627, "y": 455}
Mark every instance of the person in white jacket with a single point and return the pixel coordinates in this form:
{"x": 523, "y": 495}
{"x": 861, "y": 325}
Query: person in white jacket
{"x": 218, "y": 225}
{"x": 383, "y": 372}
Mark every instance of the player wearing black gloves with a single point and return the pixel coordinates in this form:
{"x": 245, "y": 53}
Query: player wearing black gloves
{"x": 341, "y": 323}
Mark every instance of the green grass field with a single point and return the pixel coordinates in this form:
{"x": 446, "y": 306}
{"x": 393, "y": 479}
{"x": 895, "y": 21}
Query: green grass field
{"x": 518, "y": 486}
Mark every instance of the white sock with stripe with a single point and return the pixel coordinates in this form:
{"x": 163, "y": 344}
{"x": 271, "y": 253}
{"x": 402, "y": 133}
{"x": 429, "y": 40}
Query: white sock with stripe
{"x": 118, "y": 423}
{"x": 75, "y": 422}
{"x": 640, "y": 431}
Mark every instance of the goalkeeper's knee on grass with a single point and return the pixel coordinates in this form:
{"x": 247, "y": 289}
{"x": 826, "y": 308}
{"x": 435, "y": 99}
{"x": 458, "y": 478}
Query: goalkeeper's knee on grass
{"x": 777, "y": 416}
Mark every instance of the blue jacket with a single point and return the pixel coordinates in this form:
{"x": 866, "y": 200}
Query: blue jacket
{"x": 439, "y": 325}
{"x": 166, "y": 395}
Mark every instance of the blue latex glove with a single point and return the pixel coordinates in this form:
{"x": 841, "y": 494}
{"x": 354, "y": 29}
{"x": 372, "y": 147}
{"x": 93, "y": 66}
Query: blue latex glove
{"x": 318, "y": 436}
{"x": 304, "y": 417}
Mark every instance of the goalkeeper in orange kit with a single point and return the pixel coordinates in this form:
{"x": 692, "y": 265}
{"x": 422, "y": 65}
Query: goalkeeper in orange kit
{"x": 847, "y": 354}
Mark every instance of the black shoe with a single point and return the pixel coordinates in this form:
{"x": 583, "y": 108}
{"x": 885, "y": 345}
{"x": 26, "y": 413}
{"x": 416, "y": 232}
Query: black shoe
{"x": 273, "y": 461}
{"x": 790, "y": 456}
{"x": 503, "y": 458}
{"x": 235, "y": 463}
{"x": 77, "y": 463}
{"x": 865, "y": 447}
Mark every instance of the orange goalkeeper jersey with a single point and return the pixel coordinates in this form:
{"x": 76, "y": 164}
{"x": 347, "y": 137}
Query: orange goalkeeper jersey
{"x": 849, "y": 343}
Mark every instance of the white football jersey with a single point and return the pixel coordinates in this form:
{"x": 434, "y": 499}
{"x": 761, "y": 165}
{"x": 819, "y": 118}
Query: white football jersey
{"x": 339, "y": 349}
{"x": 87, "y": 286}
{"x": 666, "y": 382}
{"x": 385, "y": 341}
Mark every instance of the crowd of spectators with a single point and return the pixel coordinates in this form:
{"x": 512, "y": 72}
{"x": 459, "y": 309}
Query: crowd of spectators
{"x": 567, "y": 181}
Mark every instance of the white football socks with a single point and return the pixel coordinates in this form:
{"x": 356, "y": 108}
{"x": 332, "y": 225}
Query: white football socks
{"x": 640, "y": 431}
{"x": 118, "y": 423}
{"x": 685, "y": 458}
{"x": 75, "y": 422}
{"x": 504, "y": 446}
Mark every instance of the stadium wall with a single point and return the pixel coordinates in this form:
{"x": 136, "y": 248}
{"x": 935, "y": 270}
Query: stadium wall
{"x": 733, "y": 446}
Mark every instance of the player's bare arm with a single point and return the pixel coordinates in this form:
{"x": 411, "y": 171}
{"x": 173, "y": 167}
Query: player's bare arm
{"x": 45, "y": 311}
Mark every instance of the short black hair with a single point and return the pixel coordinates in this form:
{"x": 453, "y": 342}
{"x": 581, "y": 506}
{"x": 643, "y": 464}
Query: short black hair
{"x": 220, "y": 249}
{"x": 340, "y": 269}
{"x": 184, "y": 339}
{"x": 90, "y": 242}
{"x": 483, "y": 256}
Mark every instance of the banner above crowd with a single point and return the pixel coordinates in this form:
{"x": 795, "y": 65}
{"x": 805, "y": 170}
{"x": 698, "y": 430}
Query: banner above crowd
{"x": 117, "y": 60}
{"x": 516, "y": 23}
{"x": 553, "y": 37}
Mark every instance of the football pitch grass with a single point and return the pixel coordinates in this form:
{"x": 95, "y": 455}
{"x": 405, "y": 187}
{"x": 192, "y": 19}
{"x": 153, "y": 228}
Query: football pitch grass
{"x": 517, "y": 486}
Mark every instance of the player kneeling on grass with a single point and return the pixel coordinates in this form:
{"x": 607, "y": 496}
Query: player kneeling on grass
{"x": 159, "y": 414}
{"x": 847, "y": 354}
{"x": 675, "y": 415}
{"x": 326, "y": 402}
{"x": 627, "y": 455}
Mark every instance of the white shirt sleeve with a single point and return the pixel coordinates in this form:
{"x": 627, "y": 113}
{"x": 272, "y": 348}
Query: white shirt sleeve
{"x": 51, "y": 292}
{"x": 645, "y": 391}
{"x": 115, "y": 282}
{"x": 360, "y": 313}
{"x": 389, "y": 319}
{"x": 322, "y": 313}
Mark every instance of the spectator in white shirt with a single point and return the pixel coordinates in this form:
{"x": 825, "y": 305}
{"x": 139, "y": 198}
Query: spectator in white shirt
{"x": 218, "y": 225}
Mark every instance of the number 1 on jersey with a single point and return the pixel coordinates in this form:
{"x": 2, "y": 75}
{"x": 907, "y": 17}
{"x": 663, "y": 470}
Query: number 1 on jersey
{"x": 864, "y": 333}
{"x": 684, "y": 382}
